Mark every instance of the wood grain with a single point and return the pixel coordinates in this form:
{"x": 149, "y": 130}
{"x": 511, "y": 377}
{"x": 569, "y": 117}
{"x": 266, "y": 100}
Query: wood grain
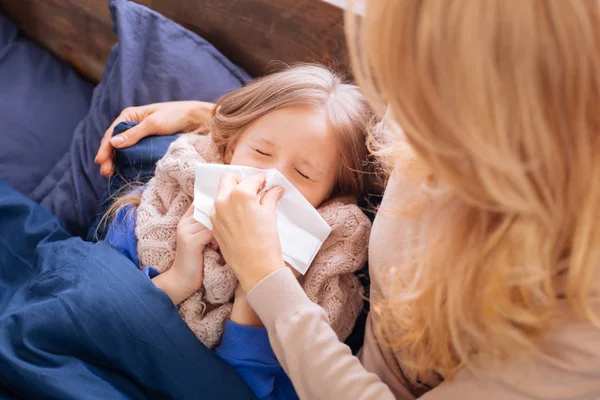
{"x": 252, "y": 33}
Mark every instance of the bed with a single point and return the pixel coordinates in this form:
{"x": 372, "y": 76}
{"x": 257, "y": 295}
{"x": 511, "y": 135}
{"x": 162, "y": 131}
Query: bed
{"x": 67, "y": 68}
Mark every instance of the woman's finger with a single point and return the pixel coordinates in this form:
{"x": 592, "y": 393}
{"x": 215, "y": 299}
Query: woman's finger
{"x": 227, "y": 183}
{"x": 189, "y": 211}
{"x": 133, "y": 135}
{"x": 253, "y": 184}
{"x": 105, "y": 152}
{"x": 104, "y": 158}
{"x": 272, "y": 197}
{"x": 107, "y": 168}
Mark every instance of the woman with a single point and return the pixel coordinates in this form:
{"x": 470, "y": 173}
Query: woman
{"x": 483, "y": 255}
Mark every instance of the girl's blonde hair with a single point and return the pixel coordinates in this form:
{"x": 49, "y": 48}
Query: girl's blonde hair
{"x": 499, "y": 100}
{"x": 309, "y": 86}
{"x": 303, "y": 85}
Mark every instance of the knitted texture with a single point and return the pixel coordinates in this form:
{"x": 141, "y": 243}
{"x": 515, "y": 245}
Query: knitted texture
{"x": 330, "y": 281}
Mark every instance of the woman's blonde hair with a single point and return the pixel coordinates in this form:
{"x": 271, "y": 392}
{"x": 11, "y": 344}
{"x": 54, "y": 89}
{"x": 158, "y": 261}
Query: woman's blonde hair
{"x": 499, "y": 100}
{"x": 304, "y": 85}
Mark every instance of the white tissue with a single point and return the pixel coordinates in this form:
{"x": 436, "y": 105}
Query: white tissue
{"x": 301, "y": 228}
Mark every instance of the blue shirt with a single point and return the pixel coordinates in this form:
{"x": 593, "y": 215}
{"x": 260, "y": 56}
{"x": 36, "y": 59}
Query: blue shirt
{"x": 246, "y": 348}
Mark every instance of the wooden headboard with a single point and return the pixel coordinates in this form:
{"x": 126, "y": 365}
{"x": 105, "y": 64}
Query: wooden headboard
{"x": 251, "y": 33}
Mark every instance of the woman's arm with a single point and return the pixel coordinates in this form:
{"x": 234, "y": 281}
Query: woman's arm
{"x": 154, "y": 119}
{"x": 319, "y": 365}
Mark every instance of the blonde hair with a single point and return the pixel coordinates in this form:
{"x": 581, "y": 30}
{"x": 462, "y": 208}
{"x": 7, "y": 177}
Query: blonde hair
{"x": 303, "y": 85}
{"x": 499, "y": 101}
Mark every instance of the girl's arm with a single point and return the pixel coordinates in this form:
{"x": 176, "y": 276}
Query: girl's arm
{"x": 187, "y": 273}
{"x": 121, "y": 233}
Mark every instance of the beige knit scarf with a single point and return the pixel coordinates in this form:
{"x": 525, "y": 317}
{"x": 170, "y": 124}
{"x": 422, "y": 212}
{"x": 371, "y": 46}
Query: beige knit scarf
{"x": 329, "y": 282}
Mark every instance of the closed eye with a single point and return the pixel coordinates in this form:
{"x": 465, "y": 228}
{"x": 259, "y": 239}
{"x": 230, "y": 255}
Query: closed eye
{"x": 262, "y": 153}
{"x": 303, "y": 175}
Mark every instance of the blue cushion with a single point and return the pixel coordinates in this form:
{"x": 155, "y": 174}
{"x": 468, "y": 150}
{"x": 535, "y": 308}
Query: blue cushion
{"x": 41, "y": 101}
{"x": 154, "y": 60}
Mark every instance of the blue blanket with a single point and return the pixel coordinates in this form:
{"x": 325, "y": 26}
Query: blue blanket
{"x": 79, "y": 321}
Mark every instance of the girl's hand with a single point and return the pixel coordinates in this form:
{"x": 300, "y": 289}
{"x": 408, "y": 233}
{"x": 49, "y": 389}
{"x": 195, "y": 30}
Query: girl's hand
{"x": 154, "y": 119}
{"x": 246, "y": 229}
{"x": 242, "y": 313}
{"x": 186, "y": 275}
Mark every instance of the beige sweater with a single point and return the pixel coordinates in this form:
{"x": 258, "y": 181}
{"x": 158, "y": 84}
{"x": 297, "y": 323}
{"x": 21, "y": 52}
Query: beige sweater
{"x": 321, "y": 367}
{"x": 330, "y": 281}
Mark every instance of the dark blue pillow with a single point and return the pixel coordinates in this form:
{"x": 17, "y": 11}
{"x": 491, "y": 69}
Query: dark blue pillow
{"x": 154, "y": 60}
{"x": 41, "y": 101}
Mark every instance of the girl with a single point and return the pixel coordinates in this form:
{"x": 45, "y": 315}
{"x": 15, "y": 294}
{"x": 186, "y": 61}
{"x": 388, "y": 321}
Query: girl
{"x": 309, "y": 125}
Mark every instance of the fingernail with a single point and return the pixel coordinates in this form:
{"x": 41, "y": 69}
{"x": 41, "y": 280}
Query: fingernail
{"x": 117, "y": 140}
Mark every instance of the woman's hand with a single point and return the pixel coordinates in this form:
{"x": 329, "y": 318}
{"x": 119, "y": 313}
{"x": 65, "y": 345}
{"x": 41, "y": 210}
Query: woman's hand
{"x": 246, "y": 229}
{"x": 186, "y": 275}
{"x": 154, "y": 119}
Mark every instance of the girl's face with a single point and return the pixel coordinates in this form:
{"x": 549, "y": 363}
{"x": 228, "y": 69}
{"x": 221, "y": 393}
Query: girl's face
{"x": 298, "y": 142}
